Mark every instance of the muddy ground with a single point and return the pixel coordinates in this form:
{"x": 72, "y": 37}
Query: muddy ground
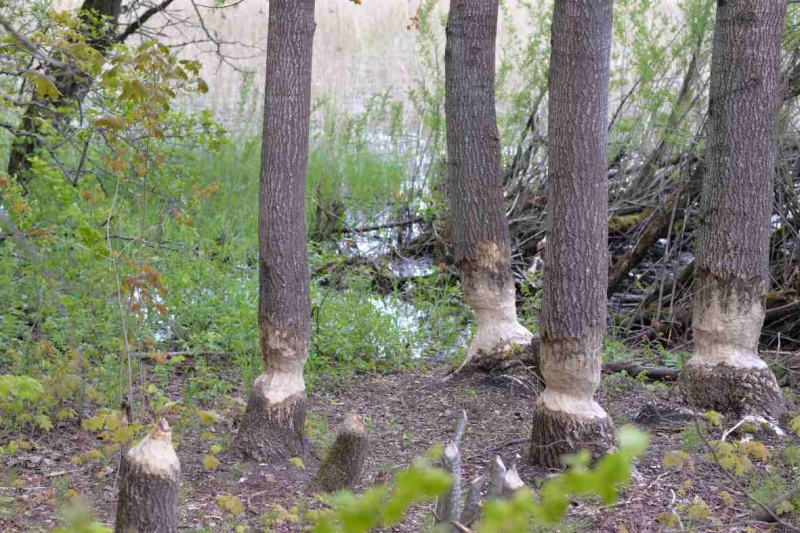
{"x": 406, "y": 413}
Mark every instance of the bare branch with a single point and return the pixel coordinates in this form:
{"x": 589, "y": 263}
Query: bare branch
{"x": 226, "y": 6}
{"x": 29, "y": 46}
{"x": 134, "y": 26}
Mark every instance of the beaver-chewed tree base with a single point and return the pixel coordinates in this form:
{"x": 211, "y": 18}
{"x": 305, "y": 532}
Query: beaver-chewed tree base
{"x": 344, "y": 463}
{"x": 272, "y": 431}
{"x": 557, "y": 434}
{"x": 507, "y": 357}
{"x": 726, "y": 389}
{"x": 148, "y": 494}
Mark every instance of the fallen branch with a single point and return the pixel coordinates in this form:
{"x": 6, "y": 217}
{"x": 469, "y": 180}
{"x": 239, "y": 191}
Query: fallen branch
{"x": 388, "y": 225}
{"x": 634, "y": 369}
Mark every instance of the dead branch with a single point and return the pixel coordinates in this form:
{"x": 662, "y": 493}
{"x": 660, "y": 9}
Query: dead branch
{"x": 635, "y": 369}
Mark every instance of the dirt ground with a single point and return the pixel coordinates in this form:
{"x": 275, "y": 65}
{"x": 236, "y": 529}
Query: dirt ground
{"x": 406, "y": 413}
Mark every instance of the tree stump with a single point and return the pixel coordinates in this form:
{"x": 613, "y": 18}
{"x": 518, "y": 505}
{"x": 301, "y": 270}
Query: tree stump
{"x": 148, "y": 494}
{"x": 344, "y": 463}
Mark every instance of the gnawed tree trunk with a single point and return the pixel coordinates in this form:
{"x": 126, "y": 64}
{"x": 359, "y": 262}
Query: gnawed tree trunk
{"x": 566, "y": 417}
{"x": 474, "y": 188}
{"x": 99, "y": 18}
{"x": 344, "y": 463}
{"x": 731, "y": 273}
{"x": 273, "y": 425}
{"x": 148, "y": 494}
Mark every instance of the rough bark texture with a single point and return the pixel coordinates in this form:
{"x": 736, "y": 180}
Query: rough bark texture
{"x": 474, "y": 188}
{"x": 573, "y": 318}
{"x": 728, "y": 389}
{"x": 731, "y": 273}
{"x": 148, "y": 494}
{"x": 71, "y": 85}
{"x": 272, "y": 431}
{"x": 513, "y": 356}
{"x": 556, "y": 434}
{"x": 344, "y": 463}
{"x": 472, "y": 502}
{"x": 274, "y": 423}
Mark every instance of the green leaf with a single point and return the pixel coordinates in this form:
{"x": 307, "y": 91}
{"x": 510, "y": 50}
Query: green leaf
{"x": 133, "y": 90}
{"x": 208, "y": 417}
{"x": 714, "y": 418}
{"x": 44, "y": 423}
{"x": 754, "y": 449}
{"x": 43, "y": 84}
{"x": 785, "y": 507}
{"x": 632, "y": 440}
{"x": 210, "y": 462}
{"x": 795, "y": 425}
{"x": 231, "y": 504}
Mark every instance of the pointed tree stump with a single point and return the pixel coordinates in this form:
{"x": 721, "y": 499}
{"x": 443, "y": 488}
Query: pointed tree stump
{"x": 148, "y": 493}
{"x": 451, "y": 515}
{"x": 344, "y": 463}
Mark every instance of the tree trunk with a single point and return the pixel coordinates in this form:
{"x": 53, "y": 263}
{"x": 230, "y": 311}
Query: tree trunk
{"x": 273, "y": 425}
{"x": 148, "y": 493}
{"x": 345, "y": 461}
{"x": 731, "y": 274}
{"x": 573, "y": 321}
{"x": 94, "y": 14}
{"x": 474, "y": 189}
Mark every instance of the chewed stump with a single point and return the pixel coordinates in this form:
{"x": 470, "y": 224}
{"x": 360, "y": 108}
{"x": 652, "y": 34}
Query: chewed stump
{"x": 148, "y": 494}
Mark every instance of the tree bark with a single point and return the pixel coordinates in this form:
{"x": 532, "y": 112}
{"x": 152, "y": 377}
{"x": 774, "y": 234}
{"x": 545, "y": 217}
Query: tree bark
{"x": 573, "y": 321}
{"x": 273, "y": 425}
{"x": 474, "y": 189}
{"x": 732, "y": 264}
{"x": 95, "y": 15}
{"x": 344, "y": 463}
{"x": 148, "y": 494}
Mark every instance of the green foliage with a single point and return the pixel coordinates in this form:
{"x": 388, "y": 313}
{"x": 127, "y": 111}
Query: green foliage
{"x": 767, "y": 487}
{"x": 230, "y": 504}
{"x": 714, "y": 418}
{"x": 678, "y": 460}
{"x": 691, "y": 440}
{"x": 736, "y": 457}
{"x": 795, "y": 425}
{"x": 791, "y": 455}
{"x": 77, "y": 518}
{"x": 24, "y": 403}
{"x": 382, "y": 507}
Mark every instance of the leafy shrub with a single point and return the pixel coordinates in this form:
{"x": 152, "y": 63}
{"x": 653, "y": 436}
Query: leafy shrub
{"x": 383, "y": 506}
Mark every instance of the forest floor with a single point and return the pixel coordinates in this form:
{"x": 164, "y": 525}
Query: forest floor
{"x": 406, "y": 413}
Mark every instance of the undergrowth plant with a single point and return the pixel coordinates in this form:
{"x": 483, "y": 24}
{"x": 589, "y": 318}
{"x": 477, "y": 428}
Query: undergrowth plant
{"x": 384, "y": 506}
